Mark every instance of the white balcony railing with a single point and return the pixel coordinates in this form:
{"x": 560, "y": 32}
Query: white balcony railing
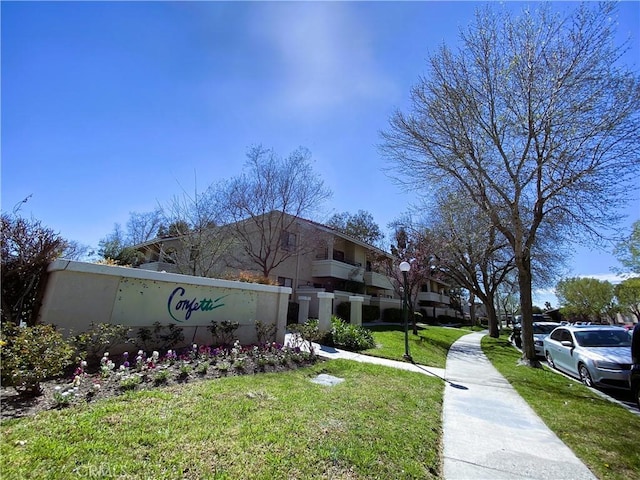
{"x": 336, "y": 269}
{"x": 159, "y": 267}
{"x": 433, "y": 297}
{"x": 378, "y": 280}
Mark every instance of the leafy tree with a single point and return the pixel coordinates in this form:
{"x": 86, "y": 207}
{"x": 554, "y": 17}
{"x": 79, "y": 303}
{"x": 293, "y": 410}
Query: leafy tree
{"x": 265, "y": 202}
{"x": 628, "y": 251}
{"x": 585, "y": 298}
{"x": 628, "y": 295}
{"x": 27, "y": 249}
{"x": 360, "y": 225}
{"x": 533, "y": 117}
{"x": 118, "y": 246}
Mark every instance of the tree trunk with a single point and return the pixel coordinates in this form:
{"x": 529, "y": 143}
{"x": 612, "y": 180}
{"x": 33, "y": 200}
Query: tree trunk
{"x": 523, "y": 263}
{"x": 493, "y": 318}
{"x": 472, "y": 308}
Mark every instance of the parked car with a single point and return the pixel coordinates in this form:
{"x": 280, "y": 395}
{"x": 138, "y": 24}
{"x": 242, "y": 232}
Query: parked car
{"x": 540, "y": 331}
{"x": 599, "y": 355}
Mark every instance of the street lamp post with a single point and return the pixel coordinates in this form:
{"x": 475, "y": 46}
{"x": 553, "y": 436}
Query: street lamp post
{"x": 404, "y": 268}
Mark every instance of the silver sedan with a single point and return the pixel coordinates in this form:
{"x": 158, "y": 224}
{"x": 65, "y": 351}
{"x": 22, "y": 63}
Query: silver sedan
{"x": 599, "y": 355}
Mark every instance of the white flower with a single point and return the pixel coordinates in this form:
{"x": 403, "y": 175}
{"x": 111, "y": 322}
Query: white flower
{"x": 106, "y": 354}
{"x": 140, "y": 352}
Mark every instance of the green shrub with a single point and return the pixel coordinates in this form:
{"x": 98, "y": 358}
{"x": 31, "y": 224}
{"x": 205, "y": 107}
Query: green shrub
{"x": 161, "y": 377}
{"x": 31, "y": 355}
{"x": 223, "y": 332}
{"x": 307, "y": 333}
{"x": 370, "y": 313}
{"x": 92, "y": 343}
{"x": 160, "y": 337}
{"x": 266, "y": 332}
{"x": 130, "y": 382}
{"x": 392, "y": 315}
{"x": 202, "y": 368}
{"x": 350, "y": 337}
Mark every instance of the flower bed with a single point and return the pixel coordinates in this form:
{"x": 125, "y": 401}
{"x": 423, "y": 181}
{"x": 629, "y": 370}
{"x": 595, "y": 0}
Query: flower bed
{"x": 151, "y": 370}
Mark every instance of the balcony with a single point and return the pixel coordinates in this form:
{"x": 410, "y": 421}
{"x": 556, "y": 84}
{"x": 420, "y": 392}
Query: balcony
{"x": 337, "y": 269}
{"x": 433, "y": 297}
{"x": 377, "y": 280}
{"x": 159, "y": 267}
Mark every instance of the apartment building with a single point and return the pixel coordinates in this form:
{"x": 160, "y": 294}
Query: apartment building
{"x": 307, "y": 256}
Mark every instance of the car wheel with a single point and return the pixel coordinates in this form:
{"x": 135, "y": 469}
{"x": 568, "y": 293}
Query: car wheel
{"x": 585, "y": 376}
{"x": 637, "y": 395}
{"x": 550, "y": 360}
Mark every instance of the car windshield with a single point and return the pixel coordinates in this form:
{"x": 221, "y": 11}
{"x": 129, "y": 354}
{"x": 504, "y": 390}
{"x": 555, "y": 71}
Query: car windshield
{"x": 543, "y": 329}
{"x": 603, "y": 338}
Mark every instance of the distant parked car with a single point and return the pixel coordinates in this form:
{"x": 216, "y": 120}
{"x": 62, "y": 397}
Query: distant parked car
{"x": 599, "y": 355}
{"x": 540, "y": 331}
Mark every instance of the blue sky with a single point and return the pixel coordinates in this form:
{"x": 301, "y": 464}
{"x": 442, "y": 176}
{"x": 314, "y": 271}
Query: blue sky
{"x": 113, "y": 107}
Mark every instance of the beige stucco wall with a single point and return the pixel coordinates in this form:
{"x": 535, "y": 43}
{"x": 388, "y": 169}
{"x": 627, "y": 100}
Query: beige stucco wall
{"x": 78, "y": 294}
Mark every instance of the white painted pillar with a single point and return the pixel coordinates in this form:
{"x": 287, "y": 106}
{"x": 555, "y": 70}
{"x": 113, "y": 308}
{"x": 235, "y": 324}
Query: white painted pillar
{"x": 356, "y": 310}
{"x": 303, "y": 310}
{"x": 325, "y": 307}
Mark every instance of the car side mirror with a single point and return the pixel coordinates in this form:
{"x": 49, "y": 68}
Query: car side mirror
{"x": 566, "y": 343}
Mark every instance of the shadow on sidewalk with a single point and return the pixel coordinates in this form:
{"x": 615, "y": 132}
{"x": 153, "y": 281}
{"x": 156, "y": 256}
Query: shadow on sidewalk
{"x": 454, "y": 385}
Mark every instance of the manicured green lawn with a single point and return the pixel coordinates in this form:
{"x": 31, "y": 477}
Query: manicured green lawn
{"x": 378, "y": 423}
{"x": 429, "y": 347}
{"x": 605, "y": 436}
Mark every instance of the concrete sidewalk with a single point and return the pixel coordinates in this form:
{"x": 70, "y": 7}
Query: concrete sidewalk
{"x": 334, "y": 353}
{"x": 490, "y": 432}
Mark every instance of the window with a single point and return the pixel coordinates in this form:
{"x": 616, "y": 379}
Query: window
{"x": 559, "y": 334}
{"x": 285, "y": 282}
{"x": 288, "y": 241}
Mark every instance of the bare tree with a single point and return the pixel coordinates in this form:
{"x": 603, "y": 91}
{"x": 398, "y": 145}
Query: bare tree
{"x": 264, "y": 205}
{"x": 471, "y": 251}
{"x": 142, "y": 227}
{"x": 535, "y": 118}
{"x": 199, "y": 241}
